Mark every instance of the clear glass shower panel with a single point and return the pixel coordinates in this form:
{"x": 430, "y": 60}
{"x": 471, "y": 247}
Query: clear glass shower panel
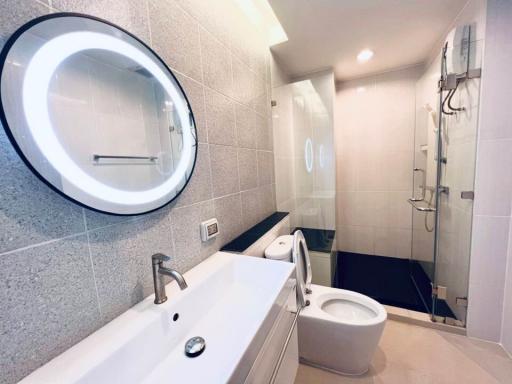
{"x": 304, "y": 163}
{"x": 444, "y": 172}
{"x": 457, "y": 175}
{"x": 422, "y": 267}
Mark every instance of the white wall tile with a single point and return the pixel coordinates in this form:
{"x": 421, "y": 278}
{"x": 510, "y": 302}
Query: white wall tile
{"x": 496, "y": 121}
{"x": 487, "y": 276}
{"x": 489, "y": 314}
{"x": 493, "y": 184}
{"x": 506, "y": 330}
{"x": 393, "y": 242}
{"x": 489, "y": 249}
{"x": 374, "y": 158}
{"x": 356, "y": 239}
{"x": 485, "y": 311}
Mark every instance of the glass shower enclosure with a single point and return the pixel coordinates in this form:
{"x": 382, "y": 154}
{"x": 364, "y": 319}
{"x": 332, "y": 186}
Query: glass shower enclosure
{"x": 447, "y": 100}
{"x": 302, "y": 117}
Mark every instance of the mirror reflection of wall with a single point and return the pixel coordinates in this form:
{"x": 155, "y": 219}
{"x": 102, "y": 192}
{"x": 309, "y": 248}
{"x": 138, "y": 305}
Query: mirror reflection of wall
{"x": 107, "y": 102}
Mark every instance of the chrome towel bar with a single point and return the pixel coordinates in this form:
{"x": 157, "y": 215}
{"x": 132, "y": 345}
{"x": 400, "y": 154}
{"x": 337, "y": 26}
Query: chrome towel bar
{"x": 97, "y": 158}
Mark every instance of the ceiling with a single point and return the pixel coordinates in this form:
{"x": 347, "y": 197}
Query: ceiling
{"x": 330, "y": 33}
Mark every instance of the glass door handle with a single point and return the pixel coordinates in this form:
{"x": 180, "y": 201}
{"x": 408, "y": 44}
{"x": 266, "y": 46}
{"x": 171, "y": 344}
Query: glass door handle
{"x": 467, "y": 195}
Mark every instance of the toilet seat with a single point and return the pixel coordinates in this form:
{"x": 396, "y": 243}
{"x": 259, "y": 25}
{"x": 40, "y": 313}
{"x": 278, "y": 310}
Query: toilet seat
{"x": 300, "y": 256}
{"x": 348, "y": 307}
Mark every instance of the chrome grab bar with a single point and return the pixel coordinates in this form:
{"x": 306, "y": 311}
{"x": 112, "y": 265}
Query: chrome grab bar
{"x": 421, "y": 209}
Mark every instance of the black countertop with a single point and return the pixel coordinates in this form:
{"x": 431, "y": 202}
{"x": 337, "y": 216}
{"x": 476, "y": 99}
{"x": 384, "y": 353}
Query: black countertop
{"x": 249, "y": 237}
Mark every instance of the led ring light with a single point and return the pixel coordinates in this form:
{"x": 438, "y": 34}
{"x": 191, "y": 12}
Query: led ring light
{"x": 36, "y": 83}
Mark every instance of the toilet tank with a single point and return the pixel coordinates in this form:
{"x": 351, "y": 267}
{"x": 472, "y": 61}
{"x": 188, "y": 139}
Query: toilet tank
{"x": 280, "y": 248}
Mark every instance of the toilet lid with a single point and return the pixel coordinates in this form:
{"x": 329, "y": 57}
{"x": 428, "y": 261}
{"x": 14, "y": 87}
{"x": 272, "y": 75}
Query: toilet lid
{"x": 300, "y": 256}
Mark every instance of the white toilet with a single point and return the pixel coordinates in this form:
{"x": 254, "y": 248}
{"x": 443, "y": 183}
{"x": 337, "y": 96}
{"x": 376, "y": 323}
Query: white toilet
{"x": 339, "y": 330}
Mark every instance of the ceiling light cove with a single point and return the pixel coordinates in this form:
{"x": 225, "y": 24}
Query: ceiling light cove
{"x": 364, "y": 55}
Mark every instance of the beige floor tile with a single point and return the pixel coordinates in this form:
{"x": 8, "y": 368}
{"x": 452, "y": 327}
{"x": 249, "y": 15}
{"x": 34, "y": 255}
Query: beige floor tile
{"x": 408, "y": 354}
{"x": 396, "y": 311}
{"x": 395, "y": 373}
{"x": 488, "y": 356}
{"x": 311, "y": 375}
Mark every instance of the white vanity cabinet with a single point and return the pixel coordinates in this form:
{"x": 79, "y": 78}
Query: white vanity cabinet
{"x": 278, "y": 358}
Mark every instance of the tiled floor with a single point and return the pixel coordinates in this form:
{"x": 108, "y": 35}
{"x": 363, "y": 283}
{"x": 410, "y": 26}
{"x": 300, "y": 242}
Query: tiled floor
{"x": 409, "y": 354}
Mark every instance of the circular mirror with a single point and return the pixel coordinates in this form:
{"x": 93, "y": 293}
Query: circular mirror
{"x": 96, "y": 114}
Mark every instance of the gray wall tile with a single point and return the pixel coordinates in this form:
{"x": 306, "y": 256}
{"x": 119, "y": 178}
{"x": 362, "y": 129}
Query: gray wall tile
{"x": 250, "y": 208}
{"x": 247, "y": 46}
{"x": 265, "y": 167}
{"x": 225, "y": 177}
{"x": 257, "y": 204}
{"x": 248, "y": 168}
{"x": 242, "y": 81}
{"x": 259, "y": 98}
{"x": 216, "y": 64}
{"x": 15, "y": 13}
{"x": 189, "y": 248}
{"x": 48, "y": 303}
{"x": 128, "y": 14}
{"x": 199, "y": 187}
{"x": 228, "y": 211}
{"x": 215, "y": 16}
{"x": 121, "y": 256}
{"x": 30, "y": 212}
{"x": 96, "y": 220}
{"x": 246, "y": 127}
{"x": 267, "y": 200}
{"x": 175, "y": 37}
{"x": 263, "y": 130}
{"x": 195, "y": 96}
{"x": 241, "y": 44}
{"x": 220, "y": 118}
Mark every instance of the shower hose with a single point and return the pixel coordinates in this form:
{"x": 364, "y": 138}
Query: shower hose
{"x": 426, "y": 213}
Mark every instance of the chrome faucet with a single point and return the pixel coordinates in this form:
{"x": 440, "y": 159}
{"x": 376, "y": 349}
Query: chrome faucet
{"x": 158, "y": 277}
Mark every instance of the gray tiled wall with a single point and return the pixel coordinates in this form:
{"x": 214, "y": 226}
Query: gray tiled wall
{"x": 65, "y": 271}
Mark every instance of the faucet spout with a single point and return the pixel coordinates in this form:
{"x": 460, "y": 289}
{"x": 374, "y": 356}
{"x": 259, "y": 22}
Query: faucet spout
{"x": 174, "y": 274}
{"x": 158, "y": 277}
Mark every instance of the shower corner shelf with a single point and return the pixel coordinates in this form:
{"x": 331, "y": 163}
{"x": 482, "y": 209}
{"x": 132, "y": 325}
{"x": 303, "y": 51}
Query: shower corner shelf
{"x": 424, "y": 148}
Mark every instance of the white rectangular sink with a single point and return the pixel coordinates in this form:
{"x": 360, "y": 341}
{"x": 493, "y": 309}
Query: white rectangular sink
{"x": 231, "y": 301}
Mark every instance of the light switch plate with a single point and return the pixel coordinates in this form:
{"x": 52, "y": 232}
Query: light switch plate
{"x": 209, "y": 229}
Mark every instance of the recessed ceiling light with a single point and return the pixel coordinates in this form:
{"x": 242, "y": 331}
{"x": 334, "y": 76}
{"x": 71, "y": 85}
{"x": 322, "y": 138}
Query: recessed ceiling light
{"x": 364, "y": 55}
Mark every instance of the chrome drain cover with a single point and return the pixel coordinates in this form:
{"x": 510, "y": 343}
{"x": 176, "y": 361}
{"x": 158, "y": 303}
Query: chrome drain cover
{"x": 195, "y": 346}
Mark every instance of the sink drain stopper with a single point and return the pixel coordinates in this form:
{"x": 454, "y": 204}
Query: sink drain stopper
{"x": 195, "y": 346}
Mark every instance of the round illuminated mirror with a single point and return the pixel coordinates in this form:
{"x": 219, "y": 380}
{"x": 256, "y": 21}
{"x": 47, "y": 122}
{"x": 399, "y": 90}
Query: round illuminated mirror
{"x": 96, "y": 114}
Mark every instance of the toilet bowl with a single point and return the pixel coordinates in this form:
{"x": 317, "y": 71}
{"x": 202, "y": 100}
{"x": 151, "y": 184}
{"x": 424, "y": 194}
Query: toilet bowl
{"x": 339, "y": 330}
